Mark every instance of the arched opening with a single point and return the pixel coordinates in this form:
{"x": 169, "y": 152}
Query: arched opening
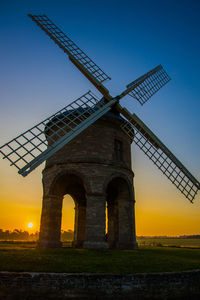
{"x": 68, "y": 220}
{"x": 120, "y": 214}
{"x": 69, "y": 192}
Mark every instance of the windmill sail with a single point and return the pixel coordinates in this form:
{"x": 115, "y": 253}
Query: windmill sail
{"x": 32, "y": 147}
{"x": 147, "y": 85}
{"x": 161, "y": 156}
{"x": 87, "y": 66}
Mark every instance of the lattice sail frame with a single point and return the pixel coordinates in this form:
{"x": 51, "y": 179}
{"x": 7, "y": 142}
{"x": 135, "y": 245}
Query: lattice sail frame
{"x": 68, "y": 46}
{"x": 143, "y": 88}
{"x": 162, "y": 157}
{"x": 31, "y": 148}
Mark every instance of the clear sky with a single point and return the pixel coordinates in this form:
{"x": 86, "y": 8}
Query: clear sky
{"x": 126, "y": 39}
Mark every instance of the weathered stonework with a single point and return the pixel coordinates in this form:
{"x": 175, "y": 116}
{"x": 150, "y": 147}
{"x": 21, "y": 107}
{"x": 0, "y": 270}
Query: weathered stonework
{"x": 144, "y": 286}
{"x": 95, "y": 173}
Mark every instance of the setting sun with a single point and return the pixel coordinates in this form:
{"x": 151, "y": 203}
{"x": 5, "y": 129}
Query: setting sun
{"x": 30, "y": 225}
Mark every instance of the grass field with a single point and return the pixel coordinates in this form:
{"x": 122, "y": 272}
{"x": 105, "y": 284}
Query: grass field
{"x": 174, "y": 242}
{"x": 25, "y": 256}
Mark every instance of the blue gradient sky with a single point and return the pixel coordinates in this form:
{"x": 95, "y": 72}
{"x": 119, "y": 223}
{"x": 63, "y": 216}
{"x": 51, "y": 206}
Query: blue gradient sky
{"x": 126, "y": 39}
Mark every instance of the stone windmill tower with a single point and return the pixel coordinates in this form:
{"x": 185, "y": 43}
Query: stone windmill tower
{"x": 95, "y": 169}
{"x": 86, "y": 146}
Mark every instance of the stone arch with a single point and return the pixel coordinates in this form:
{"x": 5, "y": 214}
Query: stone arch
{"x": 64, "y": 183}
{"x": 121, "y": 219}
{"x": 70, "y": 172}
{"x": 128, "y": 179}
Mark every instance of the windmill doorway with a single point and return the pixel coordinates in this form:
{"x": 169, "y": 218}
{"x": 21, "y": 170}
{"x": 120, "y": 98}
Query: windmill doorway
{"x": 68, "y": 187}
{"x": 120, "y": 214}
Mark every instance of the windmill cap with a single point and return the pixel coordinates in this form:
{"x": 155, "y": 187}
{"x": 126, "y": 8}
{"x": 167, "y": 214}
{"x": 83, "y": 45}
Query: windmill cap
{"x": 68, "y": 116}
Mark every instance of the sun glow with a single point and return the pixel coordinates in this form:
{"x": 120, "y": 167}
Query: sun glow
{"x": 30, "y": 225}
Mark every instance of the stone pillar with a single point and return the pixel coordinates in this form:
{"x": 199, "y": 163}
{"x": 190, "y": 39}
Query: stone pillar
{"x": 80, "y": 225}
{"x": 135, "y": 244}
{"x": 50, "y": 226}
{"x": 126, "y": 220}
{"x": 113, "y": 224}
{"x": 95, "y": 222}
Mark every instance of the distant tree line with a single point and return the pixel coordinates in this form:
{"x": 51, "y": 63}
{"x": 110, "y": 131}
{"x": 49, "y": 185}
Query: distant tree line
{"x": 67, "y": 235}
{"x": 193, "y": 236}
{"x": 197, "y": 236}
{"x": 20, "y": 235}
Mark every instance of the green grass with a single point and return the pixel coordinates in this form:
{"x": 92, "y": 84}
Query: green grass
{"x": 25, "y": 257}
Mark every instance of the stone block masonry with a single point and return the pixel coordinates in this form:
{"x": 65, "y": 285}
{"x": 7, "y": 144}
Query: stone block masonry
{"x": 95, "y": 170}
{"x": 145, "y": 286}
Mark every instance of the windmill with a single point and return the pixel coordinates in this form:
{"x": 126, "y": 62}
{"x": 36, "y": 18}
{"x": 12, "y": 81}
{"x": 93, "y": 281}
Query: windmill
{"x": 31, "y": 148}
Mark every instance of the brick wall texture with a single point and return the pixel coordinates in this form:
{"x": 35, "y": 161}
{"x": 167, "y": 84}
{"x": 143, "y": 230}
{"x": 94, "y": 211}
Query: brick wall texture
{"x": 95, "y": 169}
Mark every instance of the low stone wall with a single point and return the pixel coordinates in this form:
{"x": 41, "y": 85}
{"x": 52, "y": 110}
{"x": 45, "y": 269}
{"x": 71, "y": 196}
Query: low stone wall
{"x": 177, "y": 285}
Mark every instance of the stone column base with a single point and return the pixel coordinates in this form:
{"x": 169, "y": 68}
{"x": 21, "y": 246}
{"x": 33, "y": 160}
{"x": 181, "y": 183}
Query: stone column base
{"x": 95, "y": 245}
{"x": 77, "y": 244}
{"x": 48, "y": 244}
{"x": 127, "y": 246}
